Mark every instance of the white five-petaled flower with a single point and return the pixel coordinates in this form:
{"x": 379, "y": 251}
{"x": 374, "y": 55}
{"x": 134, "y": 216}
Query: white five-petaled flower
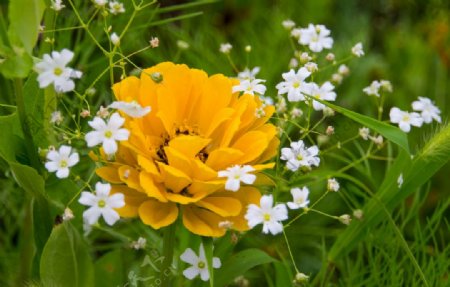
{"x": 101, "y": 204}
{"x": 248, "y": 74}
{"x": 404, "y": 119}
{"x": 427, "y": 109}
{"x": 237, "y": 174}
{"x": 324, "y": 92}
{"x": 225, "y": 48}
{"x": 364, "y": 133}
{"x": 357, "y": 50}
{"x": 333, "y": 185}
{"x": 56, "y": 118}
{"x": 317, "y": 37}
{"x": 107, "y": 133}
{"x": 373, "y": 89}
{"x": 52, "y": 69}
{"x": 61, "y": 160}
{"x": 132, "y": 109}
{"x": 299, "y": 198}
{"x": 288, "y": 24}
{"x": 57, "y": 5}
{"x": 298, "y": 155}
{"x": 267, "y": 214}
{"x": 250, "y": 87}
{"x": 115, "y": 7}
{"x": 294, "y": 84}
{"x": 199, "y": 264}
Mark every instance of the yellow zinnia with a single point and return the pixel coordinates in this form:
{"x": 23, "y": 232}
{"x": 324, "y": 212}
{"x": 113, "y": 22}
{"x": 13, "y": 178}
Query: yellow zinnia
{"x": 170, "y": 163}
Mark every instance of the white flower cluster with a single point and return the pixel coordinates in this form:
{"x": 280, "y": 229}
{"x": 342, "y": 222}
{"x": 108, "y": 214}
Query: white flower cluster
{"x": 425, "y": 112}
{"x": 300, "y": 156}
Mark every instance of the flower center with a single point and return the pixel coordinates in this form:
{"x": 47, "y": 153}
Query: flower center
{"x": 296, "y": 84}
{"x": 299, "y": 157}
{"x": 101, "y": 203}
{"x": 266, "y": 217}
{"x": 405, "y": 118}
{"x": 63, "y": 163}
{"x": 116, "y": 6}
{"x": 237, "y": 176}
{"x": 299, "y": 201}
{"x": 57, "y": 71}
{"x": 201, "y": 265}
{"x": 108, "y": 134}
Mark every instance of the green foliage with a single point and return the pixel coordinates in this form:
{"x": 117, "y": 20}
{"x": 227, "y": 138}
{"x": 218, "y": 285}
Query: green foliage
{"x": 65, "y": 260}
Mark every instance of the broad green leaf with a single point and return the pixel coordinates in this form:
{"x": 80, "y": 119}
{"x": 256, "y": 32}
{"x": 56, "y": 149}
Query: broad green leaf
{"x": 38, "y": 123}
{"x": 283, "y": 275}
{"x": 15, "y": 65}
{"x": 25, "y": 17}
{"x": 65, "y": 260}
{"x": 11, "y": 132}
{"x": 239, "y": 263}
{"x": 392, "y": 133}
{"x": 415, "y": 172}
{"x": 109, "y": 269}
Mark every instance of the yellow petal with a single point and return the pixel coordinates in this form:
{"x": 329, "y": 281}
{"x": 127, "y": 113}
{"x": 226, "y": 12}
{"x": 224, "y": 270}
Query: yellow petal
{"x": 130, "y": 177}
{"x": 252, "y": 144}
{"x": 109, "y": 174}
{"x": 218, "y": 119}
{"x": 270, "y": 152}
{"x": 133, "y": 200}
{"x": 223, "y": 158}
{"x": 174, "y": 179}
{"x": 150, "y": 187}
{"x": 148, "y": 166}
{"x": 201, "y": 171}
{"x": 223, "y": 206}
{"x": 202, "y": 222}
{"x": 127, "y": 89}
{"x": 157, "y": 214}
{"x": 190, "y": 146}
{"x": 178, "y": 160}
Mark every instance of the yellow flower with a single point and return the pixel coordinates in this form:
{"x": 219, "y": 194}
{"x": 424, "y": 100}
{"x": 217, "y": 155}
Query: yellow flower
{"x": 197, "y": 127}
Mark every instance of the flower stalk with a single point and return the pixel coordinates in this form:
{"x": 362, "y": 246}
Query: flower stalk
{"x": 168, "y": 247}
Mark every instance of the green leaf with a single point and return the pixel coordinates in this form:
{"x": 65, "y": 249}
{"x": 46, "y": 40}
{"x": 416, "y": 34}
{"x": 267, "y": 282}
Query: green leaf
{"x": 25, "y": 18}
{"x": 33, "y": 99}
{"x": 415, "y": 172}
{"x": 239, "y": 263}
{"x": 392, "y": 133}
{"x": 109, "y": 269}
{"x": 15, "y": 65}
{"x": 65, "y": 260}
{"x": 11, "y": 133}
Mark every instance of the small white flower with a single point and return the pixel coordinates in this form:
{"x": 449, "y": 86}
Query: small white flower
{"x": 293, "y": 63}
{"x": 115, "y": 7}
{"x": 132, "y": 109}
{"x": 266, "y": 100}
{"x": 294, "y": 84}
{"x": 237, "y": 174}
{"x": 250, "y": 87}
{"x": 182, "y": 45}
{"x": 100, "y": 3}
{"x": 404, "y": 119}
{"x": 101, "y": 204}
{"x": 102, "y": 112}
{"x": 328, "y": 112}
{"x": 298, "y": 155}
{"x": 56, "y": 118}
{"x": 199, "y": 264}
{"x": 305, "y": 57}
{"x": 386, "y": 86}
{"x": 57, "y": 5}
{"x": 324, "y": 92}
{"x": 295, "y": 33}
{"x": 248, "y": 74}
{"x": 345, "y": 219}
{"x": 311, "y": 67}
{"x": 427, "y": 109}
{"x": 358, "y": 214}
{"x": 107, "y": 133}
{"x": 52, "y": 70}
{"x": 225, "y": 48}
{"x": 343, "y": 70}
{"x": 333, "y": 185}
{"x": 301, "y": 278}
{"x": 288, "y": 24}
{"x": 267, "y": 214}
{"x": 281, "y": 105}
{"x": 154, "y": 42}
{"x": 299, "y": 198}
{"x": 296, "y": 112}
{"x": 60, "y": 161}
{"x": 364, "y": 133}
{"x": 68, "y": 214}
{"x": 115, "y": 39}
{"x": 357, "y": 50}
{"x": 378, "y": 140}
{"x": 329, "y": 131}
{"x": 337, "y": 78}
{"x": 373, "y": 89}
{"x": 139, "y": 244}
{"x": 400, "y": 180}
{"x": 330, "y": 57}
{"x": 317, "y": 37}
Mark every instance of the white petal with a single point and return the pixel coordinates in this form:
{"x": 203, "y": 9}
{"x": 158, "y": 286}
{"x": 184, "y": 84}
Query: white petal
{"x": 216, "y": 262}
{"x": 266, "y": 202}
{"x": 115, "y": 121}
{"x": 248, "y": 178}
{"x": 87, "y": 198}
{"x": 204, "y": 274}
{"x": 97, "y": 123}
{"x": 73, "y": 159}
{"x": 232, "y": 184}
{"x": 62, "y": 172}
{"x": 191, "y": 272}
{"x": 121, "y": 135}
{"x": 102, "y": 189}
{"x": 293, "y": 205}
{"x": 109, "y": 146}
{"x": 116, "y": 200}
{"x": 51, "y": 166}
{"x": 275, "y": 227}
{"x": 189, "y": 256}
{"x": 110, "y": 215}
{"x": 92, "y": 215}
{"x": 93, "y": 138}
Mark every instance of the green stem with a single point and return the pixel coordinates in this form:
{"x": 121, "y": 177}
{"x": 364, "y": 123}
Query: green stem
{"x": 168, "y": 247}
{"x": 29, "y": 143}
